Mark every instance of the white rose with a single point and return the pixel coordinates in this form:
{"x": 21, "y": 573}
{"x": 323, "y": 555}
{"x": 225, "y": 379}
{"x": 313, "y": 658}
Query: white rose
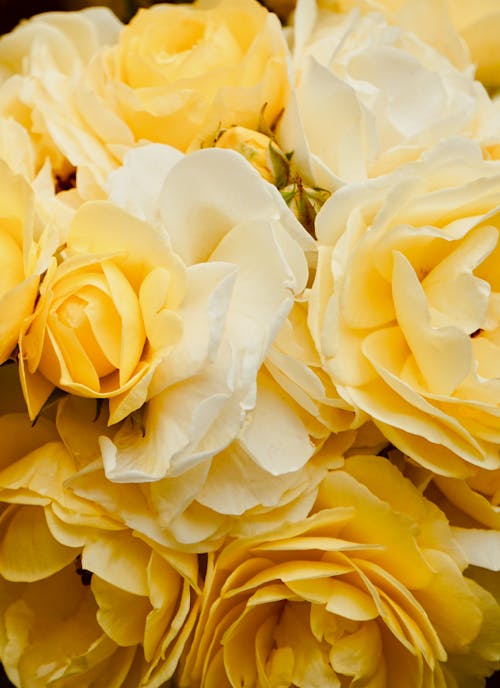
{"x": 229, "y": 494}
{"x": 244, "y": 253}
{"x": 358, "y": 108}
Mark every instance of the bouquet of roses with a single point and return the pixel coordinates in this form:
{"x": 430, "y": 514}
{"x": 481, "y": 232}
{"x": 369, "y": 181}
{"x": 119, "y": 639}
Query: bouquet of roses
{"x": 250, "y": 347}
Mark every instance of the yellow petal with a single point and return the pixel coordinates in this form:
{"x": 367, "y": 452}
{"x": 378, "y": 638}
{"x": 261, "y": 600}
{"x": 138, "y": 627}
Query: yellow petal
{"x": 359, "y": 654}
{"x": 121, "y": 614}
{"x": 119, "y": 559}
{"x": 28, "y": 551}
{"x": 132, "y": 333}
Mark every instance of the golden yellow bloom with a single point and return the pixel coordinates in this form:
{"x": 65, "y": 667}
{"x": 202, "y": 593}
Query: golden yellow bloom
{"x": 22, "y": 257}
{"x": 104, "y": 313}
{"x": 83, "y": 600}
{"x": 404, "y": 309}
{"x": 369, "y": 589}
{"x": 180, "y": 72}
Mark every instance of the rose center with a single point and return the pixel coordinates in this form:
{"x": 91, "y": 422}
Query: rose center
{"x": 72, "y": 312}
{"x": 94, "y": 323}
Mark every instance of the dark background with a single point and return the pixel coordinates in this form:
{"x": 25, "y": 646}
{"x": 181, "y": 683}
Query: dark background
{"x": 11, "y": 12}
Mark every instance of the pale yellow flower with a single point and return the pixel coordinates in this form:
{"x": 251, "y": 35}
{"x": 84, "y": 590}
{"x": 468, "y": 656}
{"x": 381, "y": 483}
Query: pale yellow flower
{"x": 428, "y": 19}
{"x": 180, "y": 72}
{"x": 368, "y": 589}
{"x": 41, "y": 62}
{"x": 405, "y": 306}
{"x": 478, "y": 496}
{"x": 18, "y": 436}
{"x": 357, "y": 109}
{"x": 83, "y": 599}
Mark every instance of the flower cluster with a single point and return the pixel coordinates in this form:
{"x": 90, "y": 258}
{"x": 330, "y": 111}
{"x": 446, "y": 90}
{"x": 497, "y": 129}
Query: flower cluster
{"x": 250, "y": 347}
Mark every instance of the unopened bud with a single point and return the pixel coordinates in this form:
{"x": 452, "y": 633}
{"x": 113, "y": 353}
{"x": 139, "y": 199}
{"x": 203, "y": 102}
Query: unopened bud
{"x": 305, "y": 202}
{"x": 260, "y": 151}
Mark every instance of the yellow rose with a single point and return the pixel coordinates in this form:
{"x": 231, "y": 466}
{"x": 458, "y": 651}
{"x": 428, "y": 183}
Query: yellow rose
{"x": 472, "y": 507}
{"x": 405, "y": 306}
{"x": 83, "y": 599}
{"x": 369, "y": 589}
{"x": 294, "y": 364}
{"x": 180, "y": 72}
{"x": 105, "y": 313}
{"x": 21, "y": 257}
{"x": 276, "y": 167}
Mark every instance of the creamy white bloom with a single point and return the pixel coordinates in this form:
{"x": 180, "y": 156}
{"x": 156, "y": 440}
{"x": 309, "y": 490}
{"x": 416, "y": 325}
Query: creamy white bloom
{"x": 245, "y": 261}
{"x": 477, "y": 23}
{"x": 228, "y": 494}
{"x": 371, "y": 96}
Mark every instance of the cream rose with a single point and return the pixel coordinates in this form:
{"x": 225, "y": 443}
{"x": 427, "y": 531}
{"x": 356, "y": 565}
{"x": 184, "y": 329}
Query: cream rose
{"x": 232, "y": 493}
{"x": 357, "y": 109}
{"x": 176, "y": 309}
{"x": 83, "y": 599}
{"x": 405, "y": 306}
{"x": 179, "y": 73}
{"x": 369, "y": 589}
{"x": 477, "y": 22}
